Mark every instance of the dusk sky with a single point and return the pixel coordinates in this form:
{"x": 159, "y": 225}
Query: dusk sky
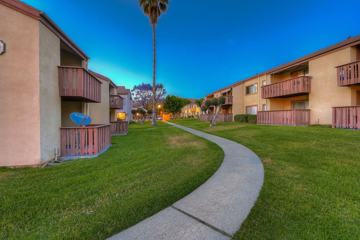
{"x": 203, "y": 45}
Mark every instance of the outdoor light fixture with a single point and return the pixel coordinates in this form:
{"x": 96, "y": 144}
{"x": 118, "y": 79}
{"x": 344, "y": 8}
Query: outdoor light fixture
{"x": 2, "y": 47}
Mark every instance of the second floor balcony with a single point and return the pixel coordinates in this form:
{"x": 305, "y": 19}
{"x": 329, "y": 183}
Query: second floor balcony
{"x": 116, "y": 102}
{"x": 288, "y": 88}
{"x": 228, "y": 100}
{"x": 348, "y": 74}
{"x": 78, "y": 84}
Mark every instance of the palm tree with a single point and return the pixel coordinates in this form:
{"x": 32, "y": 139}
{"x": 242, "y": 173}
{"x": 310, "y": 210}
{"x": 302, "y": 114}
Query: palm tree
{"x": 153, "y": 9}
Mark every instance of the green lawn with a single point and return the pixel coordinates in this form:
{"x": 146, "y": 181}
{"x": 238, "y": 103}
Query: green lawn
{"x": 312, "y": 180}
{"x": 141, "y": 174}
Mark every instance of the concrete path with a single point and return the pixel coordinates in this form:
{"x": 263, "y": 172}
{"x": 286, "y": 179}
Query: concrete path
{"x": 214, "y": 211}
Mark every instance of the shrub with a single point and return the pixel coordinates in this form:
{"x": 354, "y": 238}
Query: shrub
{"x": 245, "y": 118}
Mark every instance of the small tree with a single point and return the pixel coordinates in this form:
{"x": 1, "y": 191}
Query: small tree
{"x": 217, "y": 103}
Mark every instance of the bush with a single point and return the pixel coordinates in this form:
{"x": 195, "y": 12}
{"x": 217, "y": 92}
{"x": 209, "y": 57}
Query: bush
{"x": 245, "y": 118}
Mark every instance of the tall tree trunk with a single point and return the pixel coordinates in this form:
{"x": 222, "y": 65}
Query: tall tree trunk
{"x": 154, "y": 77}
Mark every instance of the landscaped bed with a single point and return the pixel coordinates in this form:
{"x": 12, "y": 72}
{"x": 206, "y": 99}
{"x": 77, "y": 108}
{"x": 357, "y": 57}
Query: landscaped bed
{"x": 312, "y": 180}
{"x": 141, "y": 174}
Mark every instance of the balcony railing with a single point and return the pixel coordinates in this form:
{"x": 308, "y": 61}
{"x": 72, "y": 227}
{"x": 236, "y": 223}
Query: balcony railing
{"x": 296, "y": 86}
{"x": 119, "y": 128}
{"x": 116, "y": 102}
{"x": 228, "y": 100}
{"x": 76, "y": 83}
{"x": 84, "y": 142}
{"x": 346, "y": 117}
{"x": 348, "y": 74}
{"x": 219, "y": 118}
{"x": 284, "y": 117}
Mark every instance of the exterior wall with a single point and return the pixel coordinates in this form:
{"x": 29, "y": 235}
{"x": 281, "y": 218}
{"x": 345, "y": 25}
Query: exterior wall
{"x": 254, "y": 99}
{"x": 99, "y": 112}
{"x": 68, "y": 59}
{"x": 66, "y": 109}
{"x": 19, "y": 90}
{"x": 325, "y": 92}
{"x": 286, "y": 103}
{"x": 238, "y": 100}
{"x": 50, "y": 101}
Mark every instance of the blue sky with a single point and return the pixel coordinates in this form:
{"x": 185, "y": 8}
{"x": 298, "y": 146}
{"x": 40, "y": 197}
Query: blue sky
{"x": 203, "y": 45}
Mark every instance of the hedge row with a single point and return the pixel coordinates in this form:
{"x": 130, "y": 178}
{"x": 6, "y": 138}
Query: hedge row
{"x": 245, "y": 118}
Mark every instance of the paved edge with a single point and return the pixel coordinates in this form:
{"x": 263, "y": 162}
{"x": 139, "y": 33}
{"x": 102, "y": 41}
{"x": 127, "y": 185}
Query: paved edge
{"x": 216, "y": 209}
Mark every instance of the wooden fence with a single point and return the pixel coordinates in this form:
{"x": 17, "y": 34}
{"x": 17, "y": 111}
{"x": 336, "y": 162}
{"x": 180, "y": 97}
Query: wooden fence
{"x": 346, "y": 117}
{"x": 84, "y": 141}
{"x": 284, "y": 117}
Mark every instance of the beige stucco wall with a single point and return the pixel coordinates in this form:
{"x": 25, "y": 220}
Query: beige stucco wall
{"x": 69, "y": 59}
{"x": 19, "y": 90}
{"x": 254, "y": 99}
{"x": 50, "y": 101}
{"x": 99, "y": 112}
{"x": 325, "y": 92}
{"x": 66, "y": 109}
{"x": 238, "y": 99}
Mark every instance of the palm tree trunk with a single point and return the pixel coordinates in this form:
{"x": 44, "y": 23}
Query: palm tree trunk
{"x": 154, "y": 77}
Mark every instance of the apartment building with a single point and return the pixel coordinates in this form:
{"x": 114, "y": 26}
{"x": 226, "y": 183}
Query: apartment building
{"x": 43, "y": 78}
{"x": 190, "y": 110}
{"x": 320, "y": 88}
{"x": 125, "y": 113}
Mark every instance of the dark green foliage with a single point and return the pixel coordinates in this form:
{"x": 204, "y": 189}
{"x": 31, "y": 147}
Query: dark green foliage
{"x": 174, "y": 104}
{"x": 245, "y": 118}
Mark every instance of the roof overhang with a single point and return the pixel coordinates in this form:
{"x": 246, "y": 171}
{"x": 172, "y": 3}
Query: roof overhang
{"x": 44, "y": 19}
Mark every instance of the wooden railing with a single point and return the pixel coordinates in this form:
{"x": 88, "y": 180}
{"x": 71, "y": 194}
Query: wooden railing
{"x": 219, "y": 118}
{"x": 228, "y": 100}
{"x": 346, "y": 117}
{"x": 284, "y": 117}
{"x": 78, "y": 142}
{"x": 296, "y": 86}
{"x": 348, "y": 74}
{"x": 76, "y": 83}
{"x": 119, "y": 128}
{"x": 116, "y": 102}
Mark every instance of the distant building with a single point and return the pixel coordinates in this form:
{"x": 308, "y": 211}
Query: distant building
{"x": 125, "y": 113}
{"x": 190, "y": 110}
{"x": 320, "y": 88}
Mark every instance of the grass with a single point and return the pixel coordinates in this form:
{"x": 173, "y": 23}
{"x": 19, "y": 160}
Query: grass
{"x": 141, "y": 174}
{"x": 312, "y": 180}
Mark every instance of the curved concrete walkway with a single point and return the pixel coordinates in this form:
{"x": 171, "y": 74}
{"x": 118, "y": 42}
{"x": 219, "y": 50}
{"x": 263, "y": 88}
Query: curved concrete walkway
{"x": 214, "y": 211}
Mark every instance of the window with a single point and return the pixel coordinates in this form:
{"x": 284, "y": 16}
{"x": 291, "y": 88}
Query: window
{"x": 121, "y": 116}
{"x": 252, "y": 89}
{"x": 301, "y": 105}
{"x": 252, "y": 110}
{"x": 264, "y": 83}
{"x": 265, "y": 107}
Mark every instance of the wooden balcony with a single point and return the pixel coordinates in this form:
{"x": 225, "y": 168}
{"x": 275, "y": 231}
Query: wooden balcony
{"x": 220, "y": 117}
{"x": 228, "y": 100}
{"x": 78, "y": 84}
{"x": 346, "y": 117}
{"x": 119, "y": 128}
{"x": 348, "y": 74}
{"x": 116, "y": 102}
{"x": 291, "y": 87}
{"x": 84, "y": 142}
{"x": 284, "y": 117}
